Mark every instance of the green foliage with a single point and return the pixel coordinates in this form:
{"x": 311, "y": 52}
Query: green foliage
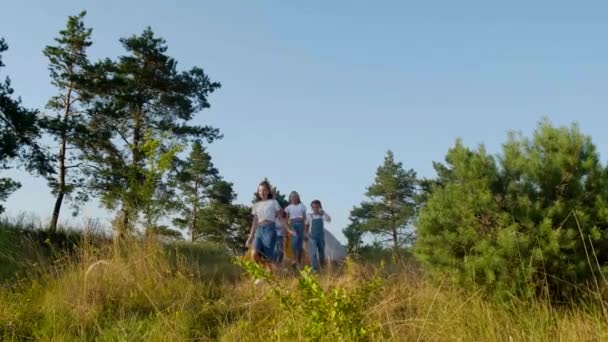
{"x": 318, "y": 314}
{"x": 141, "y": 91}
{"x": 205, "y": 203}
{"x": 147, "y": 191}
{"x": 532, "y": 220}
{"x": 7, "y": 186}
{"x": 391, "y": 206}
{"x": 19, "y": 132}
{"x": 354, "y": 235}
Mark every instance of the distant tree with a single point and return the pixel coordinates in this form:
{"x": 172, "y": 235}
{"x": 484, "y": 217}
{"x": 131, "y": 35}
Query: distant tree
{"x": 391, "y": 206}
{"x": 195, "y": 180}
{"x": 224, "y": 222}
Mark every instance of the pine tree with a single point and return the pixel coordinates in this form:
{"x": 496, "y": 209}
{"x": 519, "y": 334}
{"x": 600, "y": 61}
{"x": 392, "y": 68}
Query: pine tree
{"x": 392, "y": 204}
{"x": 524, "y": 222}
{"x": 141, "y": 91}
{"x": 196, "y": 180}
{"x": 68, "y": 64}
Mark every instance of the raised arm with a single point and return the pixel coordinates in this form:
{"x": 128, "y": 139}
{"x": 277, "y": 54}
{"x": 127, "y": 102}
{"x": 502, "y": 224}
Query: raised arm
{"x": 326, "y": 217}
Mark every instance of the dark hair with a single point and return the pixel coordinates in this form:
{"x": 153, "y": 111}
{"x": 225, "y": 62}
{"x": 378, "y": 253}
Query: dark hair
{"x": 267, "y": 185}
{"x": 316, "y": 202}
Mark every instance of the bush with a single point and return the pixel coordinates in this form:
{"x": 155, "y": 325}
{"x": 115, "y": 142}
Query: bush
{"x": 313, "y": 313}
{"x": 531, "y": 221}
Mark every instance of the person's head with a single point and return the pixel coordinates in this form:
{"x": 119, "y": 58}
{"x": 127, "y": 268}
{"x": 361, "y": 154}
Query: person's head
{"x": 294, "y": 198}
{"x": 264, "y": 191}
{"x": 316, "y": 206}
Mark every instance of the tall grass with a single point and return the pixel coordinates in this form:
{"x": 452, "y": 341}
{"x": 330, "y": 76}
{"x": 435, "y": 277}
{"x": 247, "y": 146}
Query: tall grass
{"x": 76, "y": 287}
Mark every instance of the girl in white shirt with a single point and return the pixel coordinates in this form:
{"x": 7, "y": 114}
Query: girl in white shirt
{"x": 263, "y": 233}
{"x": 296, "y": 214}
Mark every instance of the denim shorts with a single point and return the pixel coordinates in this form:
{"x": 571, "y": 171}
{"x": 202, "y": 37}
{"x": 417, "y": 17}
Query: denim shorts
{"x": 266, "y": 240}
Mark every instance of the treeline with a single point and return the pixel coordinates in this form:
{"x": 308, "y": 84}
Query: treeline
{"x": 529, "y": 221}
{"x": 121, "y": 127}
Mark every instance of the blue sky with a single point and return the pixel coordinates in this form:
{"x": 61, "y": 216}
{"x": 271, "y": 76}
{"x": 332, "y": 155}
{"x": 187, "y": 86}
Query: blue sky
{"x": 314, "y": 93}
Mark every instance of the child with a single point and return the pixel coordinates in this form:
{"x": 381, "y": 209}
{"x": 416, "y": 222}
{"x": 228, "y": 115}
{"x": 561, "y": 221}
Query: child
{"x": 263, "y": 235}
{"x": 315, "y": 228}
{"x": 296, "y": 214}
{"x": 281, "y": 225}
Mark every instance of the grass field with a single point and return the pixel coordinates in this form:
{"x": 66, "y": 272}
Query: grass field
{"x": 79, "y": 286}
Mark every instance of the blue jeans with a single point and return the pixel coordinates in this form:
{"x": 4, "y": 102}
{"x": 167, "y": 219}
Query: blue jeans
{"x": 297, "y": 241}
{"x": 278, "y": 252}
{"x": 316, "y": 251}
{"x": 266, "y": 240}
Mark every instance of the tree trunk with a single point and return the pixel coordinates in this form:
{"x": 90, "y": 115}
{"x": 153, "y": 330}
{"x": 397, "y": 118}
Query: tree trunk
{"x": 56, "y": 210}
{"x": 395, "y": 244}
{"x": 193, "y": 224}
{"x": 62, "y": 167}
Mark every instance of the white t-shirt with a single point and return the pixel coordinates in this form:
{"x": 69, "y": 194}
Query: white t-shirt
{"x": 266, "y": 210}
{"x": 296, "y": 211}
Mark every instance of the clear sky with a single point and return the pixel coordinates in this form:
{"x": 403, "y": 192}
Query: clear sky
{"x": 315, "y": 92}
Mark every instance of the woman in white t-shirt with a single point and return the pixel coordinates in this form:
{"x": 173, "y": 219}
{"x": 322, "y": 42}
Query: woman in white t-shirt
{"x": 296, "y": 214}
{"x": 263, "y": 233}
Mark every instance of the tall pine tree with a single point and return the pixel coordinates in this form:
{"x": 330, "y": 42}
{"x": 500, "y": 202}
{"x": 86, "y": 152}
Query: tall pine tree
{"x": 141, "y": 91}
{"x": 391, "y": 206}
{"x": 68, "y": 64}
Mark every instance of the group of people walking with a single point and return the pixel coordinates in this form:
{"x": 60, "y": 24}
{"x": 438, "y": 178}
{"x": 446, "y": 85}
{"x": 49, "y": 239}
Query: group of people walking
{"x": 272, "y": 226}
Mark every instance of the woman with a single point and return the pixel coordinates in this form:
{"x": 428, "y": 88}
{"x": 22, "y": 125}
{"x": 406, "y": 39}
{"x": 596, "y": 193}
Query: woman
{"x": 263, "y": 236}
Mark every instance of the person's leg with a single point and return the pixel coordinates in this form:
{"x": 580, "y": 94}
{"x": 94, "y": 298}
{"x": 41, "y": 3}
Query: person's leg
{"x": 279, "y": 249}
{"x": 272, "y": 248}
{"x": 297, "y": 240}
{"x": 321, "y": 248}
{"x": 313, "y": 254}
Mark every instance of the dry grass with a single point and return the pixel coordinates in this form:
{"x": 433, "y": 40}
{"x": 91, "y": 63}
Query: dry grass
{"x": 193, "y": 292}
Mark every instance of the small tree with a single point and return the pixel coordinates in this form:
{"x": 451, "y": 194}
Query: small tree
{"x": 155, "y": 197}
{"x": 392, "y": 204}
{"x": 195, "y": 179}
